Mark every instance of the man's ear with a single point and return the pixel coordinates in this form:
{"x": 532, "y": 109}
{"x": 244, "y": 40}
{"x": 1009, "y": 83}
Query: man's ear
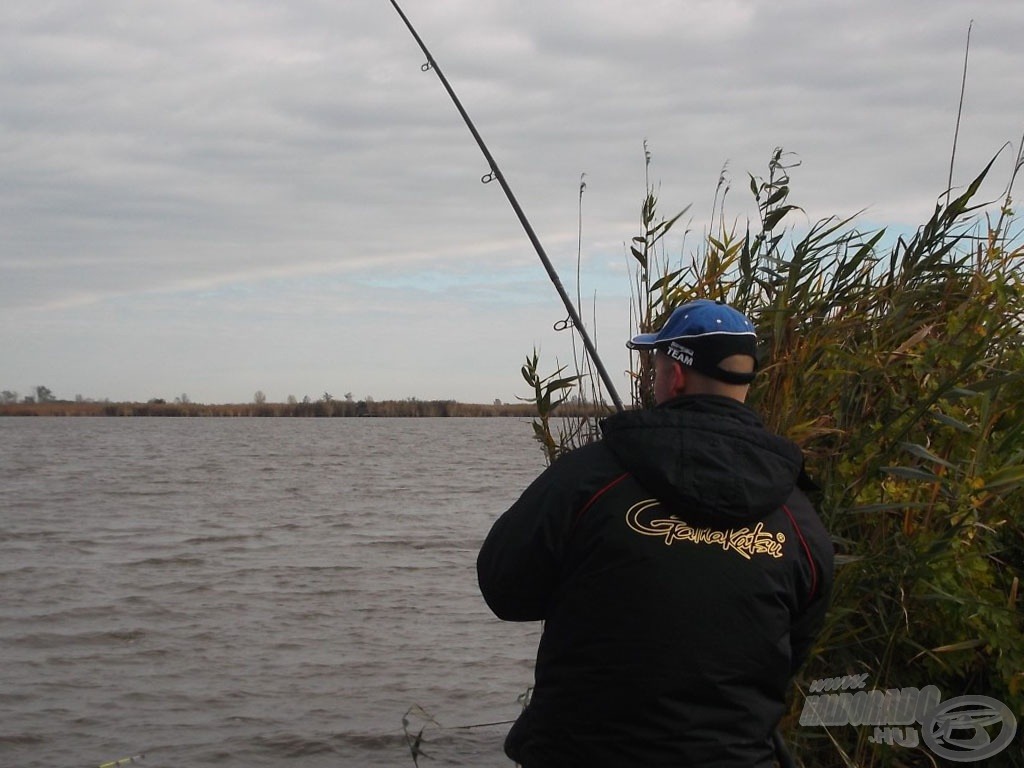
{"x": 678, "y": 378}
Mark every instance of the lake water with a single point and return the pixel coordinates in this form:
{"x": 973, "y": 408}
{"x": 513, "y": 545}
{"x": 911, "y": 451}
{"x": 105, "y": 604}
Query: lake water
{"x": 255, "y": 592}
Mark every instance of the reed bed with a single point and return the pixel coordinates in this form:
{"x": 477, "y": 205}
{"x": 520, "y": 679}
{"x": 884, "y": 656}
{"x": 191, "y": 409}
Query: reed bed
{"x": 898, "y": 366}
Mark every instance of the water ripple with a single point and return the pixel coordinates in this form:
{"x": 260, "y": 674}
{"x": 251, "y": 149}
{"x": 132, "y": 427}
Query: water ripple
{"x": 245, "y": 592}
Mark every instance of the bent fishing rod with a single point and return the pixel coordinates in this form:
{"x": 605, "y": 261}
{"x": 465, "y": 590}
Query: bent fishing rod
{"x": 495, "y": 173}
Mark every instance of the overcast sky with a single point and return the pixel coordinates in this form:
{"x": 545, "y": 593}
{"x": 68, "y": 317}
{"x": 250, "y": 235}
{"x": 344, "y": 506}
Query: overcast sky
{"x": 213, "y": 198}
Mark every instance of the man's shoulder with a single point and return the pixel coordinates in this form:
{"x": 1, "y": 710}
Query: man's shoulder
{"x": 594, "y": 455}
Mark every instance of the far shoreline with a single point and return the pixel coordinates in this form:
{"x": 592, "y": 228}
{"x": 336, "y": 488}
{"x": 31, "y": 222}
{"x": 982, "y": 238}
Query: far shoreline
{"x": 410, "y": 408}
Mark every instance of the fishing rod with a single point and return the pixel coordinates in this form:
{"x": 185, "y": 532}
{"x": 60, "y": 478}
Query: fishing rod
{"x": 495, "y": 173}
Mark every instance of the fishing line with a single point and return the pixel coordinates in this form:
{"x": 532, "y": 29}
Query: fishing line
{"x": 415, "y": 742}
{"x": 418, "y": 711}
{"x": 495, "y": 173}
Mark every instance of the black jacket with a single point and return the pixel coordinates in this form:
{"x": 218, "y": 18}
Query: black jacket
{"x": 682, "y": 576}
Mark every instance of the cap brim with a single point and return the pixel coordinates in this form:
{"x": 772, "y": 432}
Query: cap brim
{"x": 643, "y": 341}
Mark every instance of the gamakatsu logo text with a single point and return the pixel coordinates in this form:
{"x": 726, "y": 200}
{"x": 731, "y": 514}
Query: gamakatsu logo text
{"x": 962, "y": 729}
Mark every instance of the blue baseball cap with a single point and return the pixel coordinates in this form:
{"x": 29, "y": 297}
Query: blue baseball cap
{"x": 702, "y": 333}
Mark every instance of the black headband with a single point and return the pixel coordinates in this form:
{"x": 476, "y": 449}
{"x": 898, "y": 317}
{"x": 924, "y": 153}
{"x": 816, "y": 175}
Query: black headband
{"x": 704, "y": 353}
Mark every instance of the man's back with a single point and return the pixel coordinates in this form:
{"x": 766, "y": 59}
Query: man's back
{"x": 682, "y": 576}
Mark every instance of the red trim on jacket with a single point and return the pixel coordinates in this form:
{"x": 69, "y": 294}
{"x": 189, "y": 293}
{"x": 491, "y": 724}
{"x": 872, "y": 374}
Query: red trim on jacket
{"x": 593, "y": 499}
{"x": 807, "y": 551}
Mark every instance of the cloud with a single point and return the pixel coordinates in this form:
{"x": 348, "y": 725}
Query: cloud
{"x": 154, "y": 154}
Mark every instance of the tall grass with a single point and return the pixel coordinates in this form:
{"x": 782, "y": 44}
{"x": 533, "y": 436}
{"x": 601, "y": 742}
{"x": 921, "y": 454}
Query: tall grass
{"x": 899, "y": 370}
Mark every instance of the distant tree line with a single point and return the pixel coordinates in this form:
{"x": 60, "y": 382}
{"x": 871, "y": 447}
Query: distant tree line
{"x": 41, "y": 395}
{"x": 322, "y": 408}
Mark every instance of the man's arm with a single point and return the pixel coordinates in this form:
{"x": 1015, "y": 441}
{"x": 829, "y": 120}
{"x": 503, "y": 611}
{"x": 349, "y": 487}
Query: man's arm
{"x": 806, "y": 628}
{"x": 519, "y": 563}
{"x": 808, "y": 624}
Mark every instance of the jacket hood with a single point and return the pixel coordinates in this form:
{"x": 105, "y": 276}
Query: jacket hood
{"x": 708, "y": 454}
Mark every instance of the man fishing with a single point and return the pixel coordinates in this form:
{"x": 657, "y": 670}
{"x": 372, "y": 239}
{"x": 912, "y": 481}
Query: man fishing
{"x": 680, "y": 569}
